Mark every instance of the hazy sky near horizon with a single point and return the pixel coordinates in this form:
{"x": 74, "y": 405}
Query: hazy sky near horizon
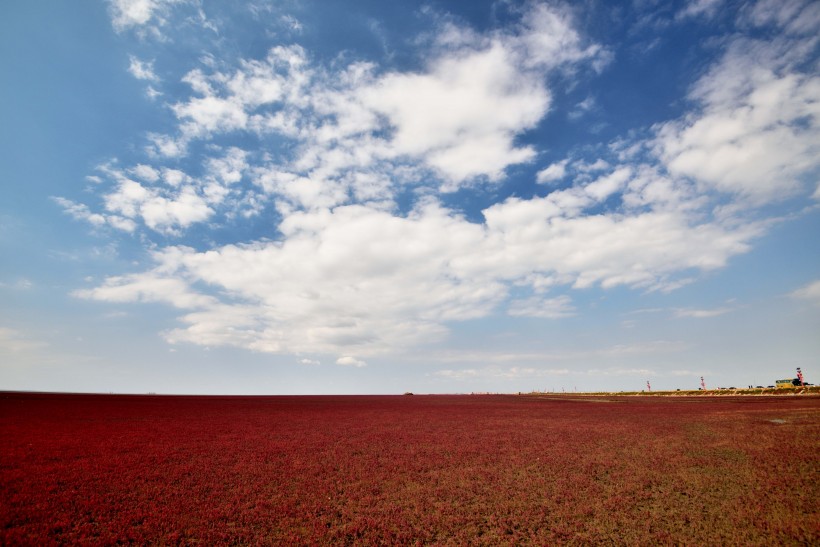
{"x": 301, "y": 197}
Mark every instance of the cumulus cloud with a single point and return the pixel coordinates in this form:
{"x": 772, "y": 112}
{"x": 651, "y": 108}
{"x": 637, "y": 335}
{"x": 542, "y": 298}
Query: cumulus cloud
{"x": 140, "y": 14}
{"x": 359, "y": 135}
{"x": 462, "y": 115}
{"x": 642, "y": 250}
{"x": 164, "y": 213}
{"x": 338, "y": 282}
{"x": 128, "y": 13}
{"x": 168, "y": 200}
{"x": 459, "y": 116}
{"x": 756, "y": 131}
{"x": 553, "y": 172}
{"x": 343, "y": 270}
{"x": 149, "y": 18}
{"x": 147, "y": 287}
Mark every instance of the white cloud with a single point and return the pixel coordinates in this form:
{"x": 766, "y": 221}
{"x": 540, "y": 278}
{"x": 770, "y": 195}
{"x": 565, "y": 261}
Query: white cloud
{"x": 607, "y": 185}
{"x": 620, "y": 371}
{"x": 546, "y": 308}
{"x": 163, "y": 214}
{"x": 128, "y": 13}
{"x": 757, "y": 131}
{"x": 146, "y": 173}
{"x": 687, "y": 373}
{"x": 80, "y": 211}
{"x": 231, "y": 102}
{"x": 168, "y": 200}
{"x": 795, "y": 16}
{"x": 460, "y": 116}
{"x": 583, "y": 107}
{"x": 142, "y": 70}
{"x": 551, "y": 235}
{"x": 338, "y": 282}
{"x": 120, "y": 223}
{"x": 144, "y": 16}
{"x": 650, "y": 187}
{"x": 146, "y": 287}
{"x": 128, "y": 198}
{"x": 348, "y": 361}
{"x": 550, "y": 39}
{"x": 148, "y": 18}
{"x": 643, "y": 348}
{"x": 701, "y": 313}
{"x": 174, "y": 177}
{"x": 203, "y": 115}
{"x": 538, "y": 359}
{"x": 703, "y": 8}
{"x": 348, "y": 274}
{"x": 22, "y": 284}
{"x": 462, "y": 374}
{"x": 499, "y": 373}
{"x": 15, "y": 341}
{"x": 553, "y": 172}
{"x": 809, "y": 292}
{"x": 292, "y": 23}
{"x": 228, "y": 169}
{"x": 166, "y": 146}
{"x": 463, "y": 114}
{"x": 152, "y": 93}
{"x": 599, "y": 164}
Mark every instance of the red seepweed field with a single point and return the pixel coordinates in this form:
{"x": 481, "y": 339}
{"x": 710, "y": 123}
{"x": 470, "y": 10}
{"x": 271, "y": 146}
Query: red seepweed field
{"x": 488, "y": 469}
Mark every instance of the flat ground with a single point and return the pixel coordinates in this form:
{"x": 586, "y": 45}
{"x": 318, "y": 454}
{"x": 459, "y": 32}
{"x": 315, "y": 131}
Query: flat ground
{"x": 422, "y": 469}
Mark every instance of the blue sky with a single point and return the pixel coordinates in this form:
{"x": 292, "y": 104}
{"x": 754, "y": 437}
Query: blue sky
{"x": 376, "y": 197}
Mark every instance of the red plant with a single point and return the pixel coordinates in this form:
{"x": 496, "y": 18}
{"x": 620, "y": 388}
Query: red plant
{"x": 408, "y": 470}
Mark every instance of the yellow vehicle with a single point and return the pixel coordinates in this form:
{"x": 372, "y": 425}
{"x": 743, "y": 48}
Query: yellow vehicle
{"x": 789, "y": 382}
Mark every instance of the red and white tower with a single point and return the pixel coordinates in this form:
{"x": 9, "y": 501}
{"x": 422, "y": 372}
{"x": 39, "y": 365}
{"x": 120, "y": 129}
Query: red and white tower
{"x": 800, "y": 377}
{"x": 702, "y": 384}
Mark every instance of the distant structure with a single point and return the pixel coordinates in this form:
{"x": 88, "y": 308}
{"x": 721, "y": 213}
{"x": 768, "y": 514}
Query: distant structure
{"x": 702, "y": 384}
{"x": 648, "y": 387}
{"x": 792, "y": 382}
